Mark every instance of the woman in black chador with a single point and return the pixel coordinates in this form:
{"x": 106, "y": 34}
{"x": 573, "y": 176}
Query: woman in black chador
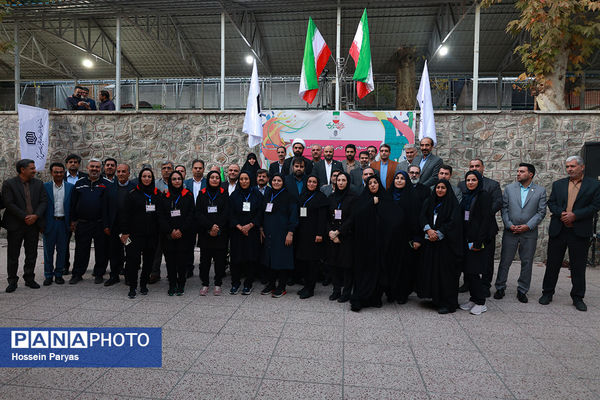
{"x": 251, "y": 167}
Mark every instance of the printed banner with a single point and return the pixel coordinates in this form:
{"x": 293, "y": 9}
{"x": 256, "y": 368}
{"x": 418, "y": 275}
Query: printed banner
{"x": 33, "y": 134}
{"x": 337, "y": 128}
{"x": 80, "y": 347}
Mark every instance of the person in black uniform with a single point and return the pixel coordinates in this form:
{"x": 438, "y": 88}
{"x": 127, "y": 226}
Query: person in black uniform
{"x": 212, "y": 213}
{"x": 139, "y": 231}
{"x": 310, "y": 234}
{"x": 246, "y": 206}
{"x": 176, "y": 221}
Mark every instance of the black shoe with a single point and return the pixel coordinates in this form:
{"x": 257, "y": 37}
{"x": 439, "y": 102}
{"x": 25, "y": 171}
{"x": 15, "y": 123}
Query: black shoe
{"x": 522, "y": 297}
{"x": 545, "y": 299}
{"x": 66, "y": 272}
{"x": 500, "y": 294}
{"x": 277, "y": 293}
{"x": 32, "y": 284}
{"x": 75, "y": 279}
{"x": 179, "y": 292}
{"x": 355, "y": 307}
{"x": 326, "y": 282}
{"x": 301, "y": 291}
{"x": 267, "y": 290}
{"x": 131, "y": 293}
{"x": 47, "y": 281}
{"x": 403, "y": 300}
{"x": 111, "y": 281}
{"x": 172, "y": 290}
{"x": 59, "y": 280}
{"x": 488, "y": 293}
{"x": 98, "y": 279}
{"x": 377, "y": 304}
{"x": 153, "y": 279}
{"x": 11, "y": 287}
{"x": 443, "y": 310}
{"x": 307, "y": 294}
{"x": 335, "y": 295}
{"x": 464, "y": 288}
{"x": 143, "y": 290}
{"x": 343, "y": 298}
{"x": 579, "y": 304}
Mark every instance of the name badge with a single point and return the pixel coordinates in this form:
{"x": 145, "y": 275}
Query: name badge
{"x": 212, "y": 209}
{"x": 466, "y": 215}
{"x": 337, "y": 214}
{"x": 303, "y": 212}
{"x": 269, "y": 207}
{"x": 150, "y": 207}
{"x": 246, "y": 206}
{"x": 175, "y": 213}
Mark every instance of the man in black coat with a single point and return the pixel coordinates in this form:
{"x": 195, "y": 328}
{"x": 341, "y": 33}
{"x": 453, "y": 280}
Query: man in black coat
{"x": 276, "y": 167}
{"x": 323, "y": 168}
{"x": 297, "y": 148}
{"x": 573, "y": 202}
{"x": 25, "y": 200}
{"x": 296, "y": 183}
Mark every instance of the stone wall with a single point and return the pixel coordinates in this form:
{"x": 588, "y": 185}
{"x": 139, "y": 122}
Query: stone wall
{"x": 501, "y": 139}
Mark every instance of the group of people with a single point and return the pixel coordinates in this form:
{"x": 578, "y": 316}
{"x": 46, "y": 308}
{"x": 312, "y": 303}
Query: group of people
{"x": 371, "y": 226}
{"x": 80, "y": 100}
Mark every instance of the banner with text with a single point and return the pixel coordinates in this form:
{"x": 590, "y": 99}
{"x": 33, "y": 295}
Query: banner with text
{"x": 33, "y": 134}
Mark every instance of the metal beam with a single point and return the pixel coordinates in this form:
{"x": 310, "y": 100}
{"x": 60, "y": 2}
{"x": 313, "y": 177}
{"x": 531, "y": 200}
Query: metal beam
{"x": 448, "y": 19}
{"x": 247, "y": 27}
{"x": 123, "y": 56}
{"x": 17, "y": 67}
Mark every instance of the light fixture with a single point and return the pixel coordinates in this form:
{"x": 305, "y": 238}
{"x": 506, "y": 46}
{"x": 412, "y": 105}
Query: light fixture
{"x": 249, "y": 59}
{"x": 87, "y": 63}
{"x": 443, "y": 51}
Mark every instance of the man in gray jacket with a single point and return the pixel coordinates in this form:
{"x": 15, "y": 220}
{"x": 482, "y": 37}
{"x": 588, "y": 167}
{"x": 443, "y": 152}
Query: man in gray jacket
{"x": 523, "y": 208}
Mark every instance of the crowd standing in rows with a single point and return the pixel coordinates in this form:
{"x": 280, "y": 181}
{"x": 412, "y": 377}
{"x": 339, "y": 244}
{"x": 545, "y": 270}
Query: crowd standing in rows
{"x": 370, "y": 226}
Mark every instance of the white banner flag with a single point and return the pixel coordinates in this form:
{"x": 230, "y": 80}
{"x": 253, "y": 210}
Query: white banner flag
{"x": 33, "y": 134}
{"x": 426, "y": 122}
{"x": 252, "y": 122}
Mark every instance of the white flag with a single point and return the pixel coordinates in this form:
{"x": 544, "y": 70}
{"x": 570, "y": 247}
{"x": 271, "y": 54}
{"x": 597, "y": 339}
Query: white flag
{"x": 426, "y": 121}
{"x": 33, "y": 134}
{"x": 252, "y": 122}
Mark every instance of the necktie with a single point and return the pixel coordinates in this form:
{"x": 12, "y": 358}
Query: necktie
{"x": 27, "y": 198}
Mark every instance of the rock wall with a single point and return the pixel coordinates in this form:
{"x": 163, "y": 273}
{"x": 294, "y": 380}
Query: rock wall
{"x": 501, "y": 139}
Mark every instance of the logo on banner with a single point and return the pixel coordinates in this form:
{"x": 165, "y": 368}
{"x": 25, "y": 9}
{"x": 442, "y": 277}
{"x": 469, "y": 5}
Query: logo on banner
{"x": 30, "y": 138}
{"x": 335, "y": 125}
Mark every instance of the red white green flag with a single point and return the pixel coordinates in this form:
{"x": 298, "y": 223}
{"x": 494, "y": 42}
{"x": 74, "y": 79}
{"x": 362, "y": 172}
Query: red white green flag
{"x": 316, "y": 55}
{"x": 360, "y": 51}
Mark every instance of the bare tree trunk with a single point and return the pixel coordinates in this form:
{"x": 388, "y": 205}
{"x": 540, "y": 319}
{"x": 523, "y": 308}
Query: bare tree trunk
{"x": 552, "y": 93}
{"x": 405, "y": 78}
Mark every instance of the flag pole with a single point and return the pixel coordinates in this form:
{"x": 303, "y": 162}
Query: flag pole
{"x": 338, "y": 35}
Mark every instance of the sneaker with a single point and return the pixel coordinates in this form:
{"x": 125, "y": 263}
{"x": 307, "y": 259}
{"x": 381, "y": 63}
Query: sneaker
{"x": 59, "y": 280}
{"x": 171, "y": 291}
{"x": 477, "y": 309}
{"x": 32, "y": 284}
{"x": 131, "y": 293}
{"x": 217, "y": 291}
{"x": 277, "y": 293}
{"x": 144, "y": 290}
{"x": 246, "y": 291}
{"x": 467, "y": 306}
{"x": 307, "y": 294}
{"x": 179, "y": 291}
{"x": 235, "y": 289}
{"x": 204, "y": 291}
{"x": 111, "y": 281}
{"x": 267, "y": 290}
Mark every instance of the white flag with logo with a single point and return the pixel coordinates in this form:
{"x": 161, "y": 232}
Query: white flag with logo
{"x": 252, "y": 122}
{"x": 426, "y": 122}
{"x": 33, "y": 134}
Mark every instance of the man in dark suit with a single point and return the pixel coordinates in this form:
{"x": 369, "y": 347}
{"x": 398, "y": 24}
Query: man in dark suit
{"x": 57, "y": 227}
{"x": 356, "y": 177}
{"x": 262, "y": 180}
{"x": 316, "y": 151}
{"x": 410, "y": 151}
{"x": 322, "y": 169}
{"x": 298, "y": 147}
{"x": 276, "y": 167}
{"x": 72, "y": 175}
{"x": 25, "y": 200}
{"x": 385, "y": 166}
{"x": 573, "y": 203}
{"x": 233, "y": 173}
{"x": 295, "y": 184}
{"x": 357, "y": 188}
{"x": 429, "y": 163}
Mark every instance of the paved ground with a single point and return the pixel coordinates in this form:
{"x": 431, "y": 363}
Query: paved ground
{"x": 257, "y": 347}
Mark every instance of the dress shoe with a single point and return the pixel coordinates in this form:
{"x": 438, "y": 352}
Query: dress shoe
{"x": 335, "y": 295}
{"x": 464, "y": 288}
{"x": 131, "y": 293}
{"x": 343, "y": 298}
{"x": 47, "y": 281}
{"x": 499, "y": 294}
{"x": 545, "y": 299}
{"x": 98, "y": 279}
{"x": 579, "y": 304}
{"x": 443, "y": 310}
{"x": 11, "y": 287}
{"x": 522, "y": 297}
{"x": 59, "y": 280}
{"x": 66, "y": 272}
{"x": 143, "y": 290}
{"x": 32, "y": 284}
{"x": 111, "y": 281}
{"x": 153, "y": 279}
{"x": 75, "y": 279}
{"x": 307, "y": 294}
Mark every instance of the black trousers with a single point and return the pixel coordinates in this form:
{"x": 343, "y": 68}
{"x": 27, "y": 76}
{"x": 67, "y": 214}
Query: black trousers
{"x": 247, "y": 269}
{"x": 477, "y": 288}
{"x": 488, "y": 273}
{"x": 116, "y": 254}
{"x": 84, "y": 234}
{"x": 278, "y": 278}
{"x": 342, "y": 277}
{"x": 28, "y": 238}
{"x": 190, "y": 266}
{"x": 177, "y": 254}
{"x": 140, "y": 247}
{"x": 158, "y": 255}
{"x": 578, "y": 250}
{"x": 220, "y": 258}
{"x": 309, "y": 271}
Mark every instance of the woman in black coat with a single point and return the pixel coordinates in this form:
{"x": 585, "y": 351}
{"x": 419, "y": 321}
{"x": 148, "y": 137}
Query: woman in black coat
{"x": 279, "y": 223}
{"x": 340, "y": 250}
{"x": 310, "y": 234}
{"x": 251, "y": 167}
{"x": 212, "y": 213}
{"x": 139, "y": 230}
{"x": 176, "y": 219}
{"x": 478, "y": 228}
{"x": 441, "y": 226}
{"x": 247, "y": 206}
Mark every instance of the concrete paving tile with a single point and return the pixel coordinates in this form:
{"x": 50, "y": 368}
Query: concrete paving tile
{"x": 243, "y": 344}
{"x": 179, "y": 358}
{"x": 490, "y": 344}
{"x": 442, "y": 341}
{"x": 360, "y": 393}
{"x": 582, "y": 367}
{"x": 450, "y": 359}
{"x": 9, "y": 374}
{"x": 235, "y": 364}
{"x": 79, "y": 315}
{"x": 378, "y": 353}
{"x": 527, "y": 364}
{"x": 314, "y": 332}
{"x": 305, "y": 370}
{"x": 312, "y": 349}
{"x": 374, "y": 319}
{"x": 374, "y": 335}
{"x": 136, "y": 382}
{"x": 186, "y": 323}
{"x": 186, "y": 339}
{"x": 208, "y": 311}
{"x": 11, "y": 392}
{"x": 15, "y": 322}
{"x": 541, "y": 387}
{"x": 33, "y": 313}
{"x": 56, "y": 378}
{"x": 251, "y": 328}
{"x": 196, "y": 386}
{"x": 282, "y": 390}
{"x": 107, "y": 305}
{"x": 385, "y": 376}
{"x": 128, "y": 318}
{"x": 147, "y": 307}
{"x": 571, "y": 348}
{"x": 466, "y": 396}
{"x": 315, "y": 318}
{"x": 99, "y": 396}
{"x": 465, "y": 383}
{"x": 252, "y": 314}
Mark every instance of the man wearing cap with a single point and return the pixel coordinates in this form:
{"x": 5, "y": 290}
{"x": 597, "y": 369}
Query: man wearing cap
{"x": 298, "y": 146}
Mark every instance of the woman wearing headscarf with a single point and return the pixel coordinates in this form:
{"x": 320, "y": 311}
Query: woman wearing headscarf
{"x": 279, "y": 223}
{"x": 246, "y": 204}
{"x": 373, "y": 221}
{"x": 251, "y": 167}
{"x": 478, "y": 228}
{"x": 442, "y": 248}
{"x": 139, "y": 230}
{"x": 212, "y": 213}
{"x": 176, "y": 218}
{"x": 340, "y": 249}
{"x": 310, "y": 234}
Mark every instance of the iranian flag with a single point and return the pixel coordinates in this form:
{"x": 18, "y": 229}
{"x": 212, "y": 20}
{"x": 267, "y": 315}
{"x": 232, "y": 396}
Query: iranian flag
{"x": 316, "y": 55}
{"x": 360, "y": 51}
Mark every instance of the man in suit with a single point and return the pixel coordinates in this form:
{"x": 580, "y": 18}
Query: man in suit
{"x": 446, "y": 173}
{"x": 573, "y": 202}
{"x": 277, "y": 166}
{"x": 197, "y": 182}
{"x": 385, "y": 166}
{"x": 329, "y": 189}
{"x": 166, "y": 169}
{"x": 295, "y": 183}
{"x": 57, "y": 224}
{"x": 410, "y": 151}
{"x": 372, "y": 150}
{"x": 493, "y": 188}
{"x": 162, "y": 184}
{"x": 298, "y": 147}
{"x": 323, "y": 168}
{"x": 72, "y": 175}
{"x": 423, "y": 192}
{"x": 523, "y": 208}
{"x": 110, "y": 169}
{"x": 233, "y": 173}
{"x": 356, "y": 177}
{"x": 358, "y": 188}
{"x": 262, "y": 180}
{"x": 427, "y": 162}
{"x": 25, "y": 201}
{"x": 316, "y": 151}
{"x": 349, "y": 163}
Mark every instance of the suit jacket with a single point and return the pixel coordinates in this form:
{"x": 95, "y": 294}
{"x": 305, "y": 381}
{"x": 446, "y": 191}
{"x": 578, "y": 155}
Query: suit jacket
{"x": 189, "y": 184}
{"x": 321, "y": 172}
{"x": 80, "y": 174}
{"x": 327, "y": 190}
{"x": 13, "y": 195}
{"x": 345, "y": 165}
{"x": 287, "y": 166}
{"x": 224, "y": 185}
{"x": 403, "y": 165}
{"x": 267, "y": 192}
{"x": 587, "y": 204}
{"x": 430, "y": 170}
{"x": 391, "y": 171}
{"x": 51, "y": 223}
{"x": 274, "y": 168}
{"x": 531, "y": 213}
{"x": 290, "y": 184}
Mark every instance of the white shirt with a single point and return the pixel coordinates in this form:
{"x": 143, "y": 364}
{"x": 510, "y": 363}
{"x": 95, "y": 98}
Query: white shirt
{"x": 196, "y": 188}
{"x": 72, "y": 179}
{"x": 231, "y": 187}
{"x": 328, "y": 166}
{"x": 59, "y": 199}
